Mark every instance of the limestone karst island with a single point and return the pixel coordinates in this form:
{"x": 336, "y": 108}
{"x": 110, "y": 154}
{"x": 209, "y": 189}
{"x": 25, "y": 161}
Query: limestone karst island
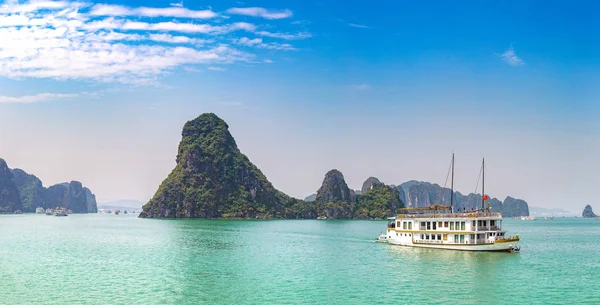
{"x": 214, "y": 179}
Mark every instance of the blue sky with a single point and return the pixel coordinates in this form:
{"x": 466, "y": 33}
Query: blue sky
{"x": 99, "y": 91}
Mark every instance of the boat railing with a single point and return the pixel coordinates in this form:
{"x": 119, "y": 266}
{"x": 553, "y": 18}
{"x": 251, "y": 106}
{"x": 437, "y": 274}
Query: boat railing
{"x": 429, "y": 241}
{"x": 450, "y": 215}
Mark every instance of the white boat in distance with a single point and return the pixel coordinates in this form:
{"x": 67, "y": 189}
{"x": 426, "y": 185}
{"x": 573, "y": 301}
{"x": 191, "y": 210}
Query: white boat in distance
{"x": 528, "y": 218}
{"x": 439, "y": 227}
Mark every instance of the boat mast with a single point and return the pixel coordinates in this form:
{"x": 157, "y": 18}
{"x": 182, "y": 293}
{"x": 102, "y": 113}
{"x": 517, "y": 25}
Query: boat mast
{"x": 452, "y": 187}
{"x": 483, "y": 184}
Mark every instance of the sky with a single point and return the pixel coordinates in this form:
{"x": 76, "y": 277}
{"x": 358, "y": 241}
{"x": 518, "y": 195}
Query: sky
{"x": 98, "y": 92}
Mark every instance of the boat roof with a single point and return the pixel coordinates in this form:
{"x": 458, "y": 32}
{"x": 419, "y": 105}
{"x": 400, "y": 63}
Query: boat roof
{"x": 425, "y": 210}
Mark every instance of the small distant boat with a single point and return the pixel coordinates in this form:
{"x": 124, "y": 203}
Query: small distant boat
{"x": 528, "y": 218}
{"x": 49, "y": 211}
{"x": 18, "y": 212}
{"x": 125, "y": 212}
{"x": 60, "y": 212}
{"x": 382, "y": 238}
{"x": 117, "y": 212}
{"x": 549, "y": 217}
{"x": 40, "y": 210}
{"x": 69, "y": 211}
{"x": 108, "y": 211}
{"x": 597, "y": 218}
{"x": 322, "y": 217}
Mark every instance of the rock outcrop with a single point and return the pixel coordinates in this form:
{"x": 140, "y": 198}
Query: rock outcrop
{"x": 335, "y": 199}
{"x": 512, "y": 207}
{"x": 587, "y": 212}
{"x": 32, "y": 194}
{"x": 10, "y": 201}
{"x": 31, "y": 190}
{"x": 213, "y": 179}
{"x": 377, "y": 200}
{"x": 369, "y": 184}
{"x": 423, "y": 194}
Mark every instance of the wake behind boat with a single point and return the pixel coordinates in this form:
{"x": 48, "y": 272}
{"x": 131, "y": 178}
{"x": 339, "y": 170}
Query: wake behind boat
{"x": 439, "y": 227}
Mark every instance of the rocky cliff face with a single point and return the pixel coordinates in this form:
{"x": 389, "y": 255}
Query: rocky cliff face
{"x": 587, "y": 212}
{"x": 335, "y": 199}
{"x": 30, "y": 189}
{"x": 92, "y": 206}
{"x": 512, "y": 207}
{"x": 423, "y": 194}
{"x": 32, "y": 194}
{"x": 369, "y": 184}
{"x": 213, "y": 179}
{"x": 10, "y": 201}
{"x": 377, "y": 201}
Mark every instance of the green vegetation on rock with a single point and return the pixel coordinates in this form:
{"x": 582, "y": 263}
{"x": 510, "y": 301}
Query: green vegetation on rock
{"x": 213, "y": 179}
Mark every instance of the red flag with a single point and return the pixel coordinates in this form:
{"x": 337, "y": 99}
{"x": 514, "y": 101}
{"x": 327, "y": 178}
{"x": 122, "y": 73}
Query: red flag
{"x": 485, "y": 197}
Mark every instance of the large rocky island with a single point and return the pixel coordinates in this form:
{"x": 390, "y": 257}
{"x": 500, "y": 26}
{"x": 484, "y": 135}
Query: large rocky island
{"x": 20, "y": 191}
{"x": 213, "y": 179}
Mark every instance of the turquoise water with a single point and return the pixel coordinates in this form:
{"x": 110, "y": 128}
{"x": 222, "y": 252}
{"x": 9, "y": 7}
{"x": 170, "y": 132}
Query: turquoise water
{"x": 108, "y": 259}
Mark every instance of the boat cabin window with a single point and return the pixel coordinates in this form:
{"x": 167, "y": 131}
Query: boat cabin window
{"x": 439, "y": 237}
{"x": 492, "y": 223}
{"x": 452, "y": 225}
{"x": 462, "y": 239}
{"x": 410, "y": 225}
{"x": 473, "y": 224}
{"x": 404, "y": 225}
{"x": 456, "y": 239}
{"x": 462, "y": 225}
{"x": 435, "y": 225}
{"x": 445, "y": 224}
{"x": 429, "y": 225}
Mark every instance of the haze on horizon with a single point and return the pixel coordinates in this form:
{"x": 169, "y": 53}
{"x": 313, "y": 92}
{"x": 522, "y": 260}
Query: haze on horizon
{"x": 99, "y": 92}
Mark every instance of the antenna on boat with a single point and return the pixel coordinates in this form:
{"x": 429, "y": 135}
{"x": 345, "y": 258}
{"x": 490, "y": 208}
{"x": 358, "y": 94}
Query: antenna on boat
{"x": 452, "y": 187}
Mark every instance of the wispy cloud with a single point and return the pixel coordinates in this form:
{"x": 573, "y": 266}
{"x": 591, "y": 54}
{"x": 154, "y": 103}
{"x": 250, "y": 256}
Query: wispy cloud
{"x": 177, "y": 4}
{"x": 38, "y": 98}
{"x": 114, "y": 43}
{"x": 120, "y": 10}
{"x": 360, "y": 26}
{"x": 286, "y": 36}
{"x": 216, "y": 69}
{"x": 258, "y": 43}
{"x": 511, "y": 58}
{"x": 260, "y": 12}
{"x": 268, "y": 61}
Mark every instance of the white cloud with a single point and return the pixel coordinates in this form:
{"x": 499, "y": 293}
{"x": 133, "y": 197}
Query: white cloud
{"x": 177, "y": 4}
{"x": 216, "y": 69}
{"x": 268, "y": 61}
{"x": 360, "y": 26}
{"x": 71, "y": 40}
{"x": 258, "y": 43}
{"x": 511, "y": 58}
{"x": 260, "y": 12}
{"x": 121, "y": 11}
{"x": 38, "y": 98}
{"x": 249, "y": 42}
{"x": 286, "y": 36}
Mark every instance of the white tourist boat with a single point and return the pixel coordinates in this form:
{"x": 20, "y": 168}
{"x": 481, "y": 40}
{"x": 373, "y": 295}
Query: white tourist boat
{"x": 40, "y": 210}
{"x": 60, "y": 212}
{"x": 528, "y": 218}
{"x": 439, "y": 227}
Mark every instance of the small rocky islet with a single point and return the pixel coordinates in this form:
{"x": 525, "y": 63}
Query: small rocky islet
{"x": 588, "y": 212}
{"x": 23, "y": 192}
{"x": 214, "y": 179}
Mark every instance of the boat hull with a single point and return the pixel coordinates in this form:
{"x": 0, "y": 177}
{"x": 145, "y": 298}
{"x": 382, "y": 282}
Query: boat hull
{"x": 490, "y": 247}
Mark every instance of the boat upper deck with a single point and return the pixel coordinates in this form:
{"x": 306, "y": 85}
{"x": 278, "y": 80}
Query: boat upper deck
{"x": 443, "y": 211}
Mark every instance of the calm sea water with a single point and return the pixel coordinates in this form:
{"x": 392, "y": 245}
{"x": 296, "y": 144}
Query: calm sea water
{"x": 109, "y": 259}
